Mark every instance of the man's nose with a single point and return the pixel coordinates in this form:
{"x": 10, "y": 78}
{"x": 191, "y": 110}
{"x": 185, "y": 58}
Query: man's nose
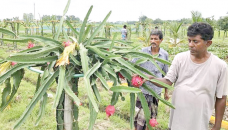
{"x": 190, "y": 44}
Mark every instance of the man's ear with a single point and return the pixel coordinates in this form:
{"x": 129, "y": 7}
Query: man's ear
{"x": 209, "y": 42}
{"x": 161, "y": 40}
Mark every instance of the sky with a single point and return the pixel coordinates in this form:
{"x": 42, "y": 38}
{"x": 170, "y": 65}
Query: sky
{"x": 122, "y": 10}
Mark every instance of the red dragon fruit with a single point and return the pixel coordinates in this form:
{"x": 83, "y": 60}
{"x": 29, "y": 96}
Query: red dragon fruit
{"x": 110, "y": 110}
{"x": 136, "y": 81}
{"x": 65, "y": 44}
{"x": 30, "y": 45}
{"x": 121, "y": 76}
{"x": 153, "y": 122}
{"x": 13, "y": 63}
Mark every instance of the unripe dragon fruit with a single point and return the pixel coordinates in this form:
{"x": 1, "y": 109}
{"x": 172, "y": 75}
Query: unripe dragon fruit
{"x": 110, "y": 110}
{"x": 153, "y": 122}
{"x": 137, "y": 81}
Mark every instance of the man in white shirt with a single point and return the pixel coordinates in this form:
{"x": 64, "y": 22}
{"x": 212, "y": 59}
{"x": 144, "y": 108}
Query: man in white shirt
{"x": 200, "y": 80}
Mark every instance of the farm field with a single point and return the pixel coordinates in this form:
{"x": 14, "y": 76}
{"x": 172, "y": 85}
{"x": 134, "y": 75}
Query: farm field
{"x": 81, "y": 65}
{"x": 119, "y": 121}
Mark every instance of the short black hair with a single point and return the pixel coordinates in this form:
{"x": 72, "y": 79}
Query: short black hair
{"x": 157, "y": 32}
{"x": 125, "y": 26}
{"x": 203, "y": 29}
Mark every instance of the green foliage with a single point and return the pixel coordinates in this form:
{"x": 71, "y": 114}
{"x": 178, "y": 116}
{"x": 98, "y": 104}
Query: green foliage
{"x": 6, "y": 97}
{"x": 175, "y": 30}
{"x": 196, "y": 16}
{"x": 145, "y": 107}
{"x": 125, "y": 89}
{"x": 38, "y": 95}
{"x": 142, "y": 18}
{"x": 223, "y": 24}
{"x": 8, "y": 32}
{"x": 158, "y": 21}
{"x": 90, "y": 56}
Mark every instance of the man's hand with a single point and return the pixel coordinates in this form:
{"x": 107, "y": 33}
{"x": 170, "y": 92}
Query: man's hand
{"x": 220, "y": 105}
{"x": 166, "y": 94}
{"x": 144, "y": 80}
{"x": 215, "y": 128}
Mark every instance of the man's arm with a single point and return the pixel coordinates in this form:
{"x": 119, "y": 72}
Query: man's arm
{"x": 220, "y": 105}
{"x": 165, "y": 69}
{"x": 166, "y": 94}
{"x": 166, "y": 81}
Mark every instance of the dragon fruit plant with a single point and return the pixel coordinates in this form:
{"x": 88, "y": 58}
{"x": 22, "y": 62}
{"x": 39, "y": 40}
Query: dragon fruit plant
{"x": 86, "y": 54}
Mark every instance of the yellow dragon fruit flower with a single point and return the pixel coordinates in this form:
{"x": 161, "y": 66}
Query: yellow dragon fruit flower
{"x": 64, "y": 57}
{"x": 4, "y": 67}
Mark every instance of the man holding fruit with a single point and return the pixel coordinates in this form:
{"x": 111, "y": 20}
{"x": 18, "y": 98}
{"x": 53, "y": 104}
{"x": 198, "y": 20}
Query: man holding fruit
{"x": 200, "y": 83}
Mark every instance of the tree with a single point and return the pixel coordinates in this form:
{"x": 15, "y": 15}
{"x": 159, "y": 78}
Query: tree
{"x": 174, "y": 28}
{"x": 137, "y": 24}
{"x": 149, "y": 20}
{"x": 53, "y": 21}
{"x": 211, "y": 20}
{"x": 72, "y": 18}
{"x": 165, "y": 25}
{"x": 4, "y": 24}
{"x": 196, "y": 16}
{"x": 142, "y": 18}
{"x": 157, "y": 21}
{"x": 28, "y": 19}
{"x": 223, "y": 24}
{"x": 46, "y": 18}
{"x": 186, "y": 21}
{"x": 131, "y": 22}
{"x": 107, "y": 29}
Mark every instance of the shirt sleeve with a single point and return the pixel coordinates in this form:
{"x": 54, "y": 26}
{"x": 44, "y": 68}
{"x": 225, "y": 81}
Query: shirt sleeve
{"x": 172, "y": 74}
{"x": 222, "y": 84}
{"x": 134, "y": 60}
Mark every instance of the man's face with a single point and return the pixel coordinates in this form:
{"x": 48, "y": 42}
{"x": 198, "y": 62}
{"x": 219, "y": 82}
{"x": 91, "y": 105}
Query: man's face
{"x": 155, "y": 40}
{"x": 197, "y": 45}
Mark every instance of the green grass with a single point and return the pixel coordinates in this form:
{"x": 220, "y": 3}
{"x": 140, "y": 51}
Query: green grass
{"x": 24, "y": 95}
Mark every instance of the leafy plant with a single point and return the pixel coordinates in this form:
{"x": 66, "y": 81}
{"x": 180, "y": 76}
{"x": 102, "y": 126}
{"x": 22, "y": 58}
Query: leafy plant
{"x": 223, "y": 25}
{"x": 174, "y": 29}
{"x": 84, "y": 55}
{"x": 196, "y": 16}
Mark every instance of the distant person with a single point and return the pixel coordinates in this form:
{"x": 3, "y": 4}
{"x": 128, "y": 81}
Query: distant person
{"x": 200, "y": 83}
{"x": 156, "y": 28}
{"x": 124, "y": 32}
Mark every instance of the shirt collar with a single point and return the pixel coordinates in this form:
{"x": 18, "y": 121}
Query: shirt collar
{"x": 160, "y": 50}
